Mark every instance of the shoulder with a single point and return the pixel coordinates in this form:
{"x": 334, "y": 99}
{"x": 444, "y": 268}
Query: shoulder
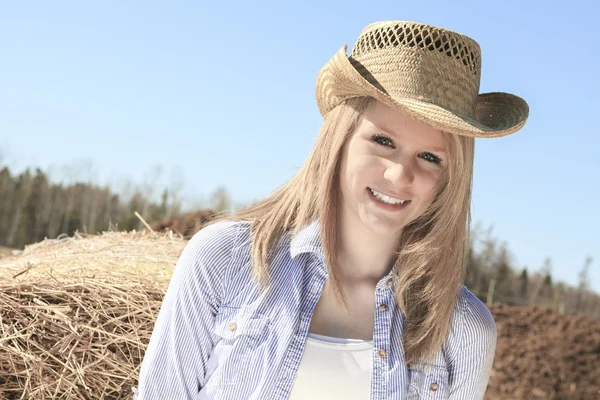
{"x": 474, "y": 311}
{"x": 212, "y": 246}
{"x": 218, "y": 237}
{"x": 472, "y": 332}
{"x": 475, "y": 319}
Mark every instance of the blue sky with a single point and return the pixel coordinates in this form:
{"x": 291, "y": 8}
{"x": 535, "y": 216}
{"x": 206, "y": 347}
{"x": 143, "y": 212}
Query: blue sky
{"x": 222, "y": 94}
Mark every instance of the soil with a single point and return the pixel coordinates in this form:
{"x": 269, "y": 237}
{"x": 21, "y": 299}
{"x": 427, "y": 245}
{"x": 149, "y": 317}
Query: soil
{"x": 542, "y": 354}
{"x": 185, "y": 225}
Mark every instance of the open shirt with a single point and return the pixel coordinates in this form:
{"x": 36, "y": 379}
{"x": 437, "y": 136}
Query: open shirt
{"x": 215, "y": 338}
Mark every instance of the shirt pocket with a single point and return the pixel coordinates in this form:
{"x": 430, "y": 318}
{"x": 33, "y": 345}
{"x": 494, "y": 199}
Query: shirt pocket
{"x": 240, "y": 334}
{"x": 428, "y": 382}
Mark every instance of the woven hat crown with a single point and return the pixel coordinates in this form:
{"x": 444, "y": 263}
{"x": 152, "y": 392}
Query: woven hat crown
{"x": 421, "y": 61}
{"x": 432, "y": 73}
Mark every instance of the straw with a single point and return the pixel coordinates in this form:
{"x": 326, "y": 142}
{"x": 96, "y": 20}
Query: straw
{"x": 77, "y": 313}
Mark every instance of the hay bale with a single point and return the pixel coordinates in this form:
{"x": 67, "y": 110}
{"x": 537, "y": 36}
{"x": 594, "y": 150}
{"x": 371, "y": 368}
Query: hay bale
{"x": 76, "y": 314}
{"x": 6, "y": 251}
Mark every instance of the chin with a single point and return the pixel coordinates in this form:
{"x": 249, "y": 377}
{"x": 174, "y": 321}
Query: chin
{"x": 383, "y": 227}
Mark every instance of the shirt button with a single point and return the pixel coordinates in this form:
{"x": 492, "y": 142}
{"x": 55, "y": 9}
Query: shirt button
{"x": 383, "y": 307}
{"x": 232, "y": 326}
{"x": 434, "y": 387}
{"x": 381, "y": 352}
{"x": 389, "y": 282}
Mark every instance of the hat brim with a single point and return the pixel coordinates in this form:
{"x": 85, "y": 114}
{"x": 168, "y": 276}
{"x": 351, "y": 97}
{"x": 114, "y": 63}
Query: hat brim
{"x": 497, "y": 114}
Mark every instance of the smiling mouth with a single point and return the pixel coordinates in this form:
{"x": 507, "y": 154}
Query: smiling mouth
{"x": 387, "y": 202}
{"x": 387, "y": 199}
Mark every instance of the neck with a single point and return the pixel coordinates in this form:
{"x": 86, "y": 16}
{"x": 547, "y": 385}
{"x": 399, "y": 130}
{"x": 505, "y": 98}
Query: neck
{"x": 365, "y": 257}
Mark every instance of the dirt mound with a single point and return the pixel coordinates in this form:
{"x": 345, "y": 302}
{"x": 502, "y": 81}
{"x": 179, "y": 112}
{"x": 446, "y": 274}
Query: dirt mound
{"x": 185, "y": 225}
{"x": 543, "y": 354}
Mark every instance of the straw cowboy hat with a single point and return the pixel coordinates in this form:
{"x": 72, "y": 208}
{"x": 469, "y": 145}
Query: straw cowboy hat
{"x": 430, "y": 73}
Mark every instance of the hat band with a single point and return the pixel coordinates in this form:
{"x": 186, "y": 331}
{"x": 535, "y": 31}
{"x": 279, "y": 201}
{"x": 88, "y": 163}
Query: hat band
{"x": 433, "y": 81}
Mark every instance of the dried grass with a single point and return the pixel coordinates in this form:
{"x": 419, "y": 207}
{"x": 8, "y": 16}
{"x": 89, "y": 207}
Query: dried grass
{"x": 76, "y": 314}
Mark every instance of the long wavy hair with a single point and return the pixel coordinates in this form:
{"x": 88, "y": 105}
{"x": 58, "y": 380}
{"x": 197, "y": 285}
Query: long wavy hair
{"x": 432, "y": 249}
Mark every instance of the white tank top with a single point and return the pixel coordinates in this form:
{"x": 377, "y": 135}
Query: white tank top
{"x": 334, "y": 368}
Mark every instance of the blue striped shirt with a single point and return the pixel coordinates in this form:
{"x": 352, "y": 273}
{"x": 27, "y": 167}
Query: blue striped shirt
{"x": 214, "y": 338}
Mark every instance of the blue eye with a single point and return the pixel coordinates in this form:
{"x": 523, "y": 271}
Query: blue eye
{"x": 383, "y": 140}
{"x": 432, "y": 158}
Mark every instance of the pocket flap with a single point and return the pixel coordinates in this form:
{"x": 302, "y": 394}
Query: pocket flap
{"x": 233, "y": 322}
{"x": 428, "y": 382}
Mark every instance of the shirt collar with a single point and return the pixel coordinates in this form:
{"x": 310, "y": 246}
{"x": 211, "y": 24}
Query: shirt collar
{"x": 307, "y": 240}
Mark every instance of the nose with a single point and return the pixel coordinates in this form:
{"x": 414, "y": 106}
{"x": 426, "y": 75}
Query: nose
{"x": 399, "y": 174}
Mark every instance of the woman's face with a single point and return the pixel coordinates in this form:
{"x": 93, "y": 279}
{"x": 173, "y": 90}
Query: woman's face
{"x": 391, "y": 170}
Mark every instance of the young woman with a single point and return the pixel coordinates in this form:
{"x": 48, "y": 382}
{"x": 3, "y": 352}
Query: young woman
{"x": 346, "y": 283}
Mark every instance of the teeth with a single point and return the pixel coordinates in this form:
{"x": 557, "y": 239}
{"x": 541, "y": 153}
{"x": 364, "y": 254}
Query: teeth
{"x": 386, "y": 199}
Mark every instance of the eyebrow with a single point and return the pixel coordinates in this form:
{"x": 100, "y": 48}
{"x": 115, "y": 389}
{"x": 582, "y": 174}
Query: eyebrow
{"x": 393, "y": 133}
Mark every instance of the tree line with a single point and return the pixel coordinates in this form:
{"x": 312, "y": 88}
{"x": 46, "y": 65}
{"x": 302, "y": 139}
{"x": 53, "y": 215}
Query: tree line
{"x": 494, "y": 279}
{"x": 33, "y": 208}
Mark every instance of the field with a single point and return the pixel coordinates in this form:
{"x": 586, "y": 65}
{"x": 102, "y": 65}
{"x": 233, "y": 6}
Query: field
{"x": 77, "y": 313}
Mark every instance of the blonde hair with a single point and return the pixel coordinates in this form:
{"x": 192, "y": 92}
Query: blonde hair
{"x": 432, "y": 249}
